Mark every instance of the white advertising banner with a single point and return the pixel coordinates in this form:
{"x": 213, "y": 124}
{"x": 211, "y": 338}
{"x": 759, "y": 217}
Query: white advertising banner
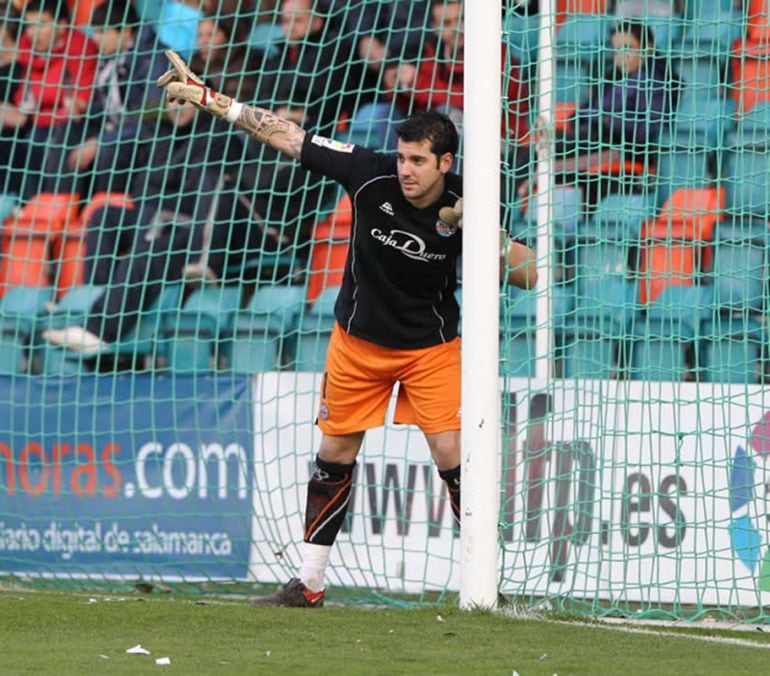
{"x": 651, "y": 492}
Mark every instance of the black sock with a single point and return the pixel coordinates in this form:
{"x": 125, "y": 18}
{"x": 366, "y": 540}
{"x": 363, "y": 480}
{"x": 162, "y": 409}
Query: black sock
{"x": 328, "y": 494}
{"x": 452, "y": 479}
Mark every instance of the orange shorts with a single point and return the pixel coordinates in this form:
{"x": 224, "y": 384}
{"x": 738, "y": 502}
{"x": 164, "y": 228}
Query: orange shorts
{"x": 359, "y": 379}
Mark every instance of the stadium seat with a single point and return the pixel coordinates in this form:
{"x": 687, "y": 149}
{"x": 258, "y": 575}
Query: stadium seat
{"x": 8, "y": 202}
{"x": 662, "y": 337}
{"x": 590, "y": 342}
{"x": 70, "y": 310}
{"x": 740, "y": 267}
{"x": 681, "y": 167}
{"x": 731, "y": 348}
{"x": 19, "y": 311}
{"x": 707, "y": 10}
{"x": 262, "y": 332}
{"x": 265, "y": 36}
{"x": 675, "y": 246}
{"x": 702, "y": 120}
{"x": 753, "y": 129}
{"x": 517, "y": 333}
{"x": 746, "y": 176}
{"x": 314, "y": 329}
{"x": 603, "y": 253}
{"x": 572, "y": 82}
{"x": 644, "y": 8}
{"x": 28, "y": 235}
{"x": 177, "y": 27}
{"x": 622, "y": 215}
{"x": 704, "y": 76}
{"x": 582, "y": 36}
{"x": 521, "y": 34}
{"x": 567, "y": 204}
{"x": 758, "y": 15}
{"x": 331, "y": 239}
{"x": 750, "y": 75}
{"x": 191, "y": 333}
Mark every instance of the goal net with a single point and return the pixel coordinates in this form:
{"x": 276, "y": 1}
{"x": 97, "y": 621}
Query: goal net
{"x": 199, "y": 269}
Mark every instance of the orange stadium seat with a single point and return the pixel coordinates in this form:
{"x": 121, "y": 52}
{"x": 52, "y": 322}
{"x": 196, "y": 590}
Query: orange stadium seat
{"x": 28, "y": 237}
{"x": 673, "y": 246}
{"x": 750, "y": 74}
{"x": 331, "y": 239}
{"x": 69, "y": 245}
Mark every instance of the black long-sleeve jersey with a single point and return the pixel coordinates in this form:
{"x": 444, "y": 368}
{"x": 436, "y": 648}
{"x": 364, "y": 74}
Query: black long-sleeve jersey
{"x": 400, "y": 274}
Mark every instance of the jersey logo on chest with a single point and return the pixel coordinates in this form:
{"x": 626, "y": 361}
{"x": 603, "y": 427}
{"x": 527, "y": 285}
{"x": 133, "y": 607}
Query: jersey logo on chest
{"x": 407, "y": 243}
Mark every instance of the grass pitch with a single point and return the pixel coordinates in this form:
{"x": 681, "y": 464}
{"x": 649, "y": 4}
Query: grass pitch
{"x": 73, "y": 633}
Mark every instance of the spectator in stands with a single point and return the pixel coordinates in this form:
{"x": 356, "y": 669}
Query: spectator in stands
{"x": 436, "y": 80}
{"x": 132, "y": 58}
{"x": 182, "y": 196}
{"x": 384, "y": 32}
{"x": 58, "y": 65}
{"x": 13, "y": 122}
{"x": 625, "y": 112}
{"x": 306, "y": 81}
{"x": 306, "y": 77}
{"x": 224, "y": 58}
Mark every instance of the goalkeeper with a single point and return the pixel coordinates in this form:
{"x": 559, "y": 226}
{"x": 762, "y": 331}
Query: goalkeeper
{"x": 396, "y": 312}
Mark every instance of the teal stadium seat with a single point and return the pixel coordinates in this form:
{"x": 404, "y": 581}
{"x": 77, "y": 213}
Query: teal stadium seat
{"x": 703, "y": 120}
{"x": 731, "y": 348}
{"x": 517, "y": 332}
{"x": 572, "y": 82}
{"x": 191, "y": 334}
{"x": 8, "y": 202}
{"x": 753, "y": 128}
{"x": 567, "y": 205}
{"x": 583, "y": 37}
{"x": 746, "y": 177}
{"x": 177, "y": 27}
{"x": 670, "y": 327}
{"x": 681, "y": 167}
{"x": 314, "y": 329}
{"x": 20, "y": 309}
{"x": 265, "y": 328}
{"x": 71, "y": 310}
{"x": 707, "y": 10}
{"x": 141, "y": 343}
{"x": 622, "y": 215}
{"x": 740, "y": 266}
{"x": 521, "y": 34}
{"x": 590, "y": 342}
{"x": 265, "y": 36}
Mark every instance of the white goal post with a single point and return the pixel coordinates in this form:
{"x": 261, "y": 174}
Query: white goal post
{"x": 481, "y": 402}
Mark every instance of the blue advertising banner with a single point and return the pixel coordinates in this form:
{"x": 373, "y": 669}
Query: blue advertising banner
{"x": 129, "y": 475}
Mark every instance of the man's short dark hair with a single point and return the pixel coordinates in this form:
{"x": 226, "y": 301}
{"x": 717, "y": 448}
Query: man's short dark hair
{"x": 639, "y": 29}
{"x": 55, "y": 8}
{"x": 430, "y": 125}
{"x": 114, "y": 14}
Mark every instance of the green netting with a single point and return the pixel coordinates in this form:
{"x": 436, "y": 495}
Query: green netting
{"x": 634, "y": 478}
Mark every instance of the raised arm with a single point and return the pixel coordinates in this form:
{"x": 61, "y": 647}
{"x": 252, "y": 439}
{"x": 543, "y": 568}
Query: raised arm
{"x": 266, "y": 127}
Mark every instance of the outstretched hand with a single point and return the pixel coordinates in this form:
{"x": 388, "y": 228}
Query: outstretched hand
{"x": 181, "y": 84}
{"x": 452, "y": 215}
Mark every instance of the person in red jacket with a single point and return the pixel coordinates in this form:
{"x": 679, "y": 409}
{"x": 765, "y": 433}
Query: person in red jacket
{"x": 436, "y": 80}
{"x": 58, "y": 65}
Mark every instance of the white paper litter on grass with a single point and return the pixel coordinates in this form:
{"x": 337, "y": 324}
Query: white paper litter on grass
{"x": 138, "y": 650}
{"x": 163, "y": 661}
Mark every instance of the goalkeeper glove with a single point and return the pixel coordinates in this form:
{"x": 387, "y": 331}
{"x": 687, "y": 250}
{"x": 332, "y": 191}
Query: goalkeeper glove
{"x": 182, "y": 84}
{"x": 452, "y": 215}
